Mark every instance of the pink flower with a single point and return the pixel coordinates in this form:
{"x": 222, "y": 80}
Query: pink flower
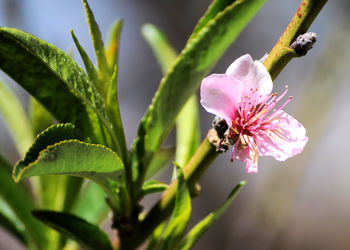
{"x": 243, "y": 98}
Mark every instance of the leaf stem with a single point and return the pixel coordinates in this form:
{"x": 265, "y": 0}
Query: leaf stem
{"x": 278, "y": 58}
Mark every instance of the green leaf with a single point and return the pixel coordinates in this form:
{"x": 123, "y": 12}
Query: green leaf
{"x": 113, "y": 43}
{"x": 194, "y": 62}
{"x": 19, "y": 199}
{"x": 153, "y": 186}
{"x": 88, "y": 235}
{"x": 16, "y": 119}
{"x": 187, "y": 122}
{"x": 187, "y": 131}
{"x": 162, "y": 158}
{"x": 215, "y": 7}
{"x": 198, "y": 230}
{"x": 90, "y": 68}
{"x": 91, "y": 204}
{"x": 41, "y": 119}
{"x": 97, "y": 42}
{"x": 155, "y": 236}
{"x": 76, "y": 158}
{"x": 12, "y": 228}
{"x": 161, "y": 48}
{"x": 64, "y": 87}
{"x": 180, "y": 217}
{"x": 114, "y": 114}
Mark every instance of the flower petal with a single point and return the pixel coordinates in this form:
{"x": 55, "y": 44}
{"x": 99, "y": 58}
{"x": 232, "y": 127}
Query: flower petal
{"x": 252, "y": 74}
{"x": 220, "y": 94}
{"x": 248, "y": 153}
{"x": 287, "y": 139}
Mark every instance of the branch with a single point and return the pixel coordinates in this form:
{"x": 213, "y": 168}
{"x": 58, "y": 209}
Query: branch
{"x": 278, "y": 58}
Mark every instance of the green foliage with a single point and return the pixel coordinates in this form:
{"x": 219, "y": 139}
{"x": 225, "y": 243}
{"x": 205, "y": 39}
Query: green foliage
{"x": 16, "y": 119}
{"x": 89, "y": 66}
{"x": 187, "y": 122}
{"x": 91, "y": 204}
{"x": 40, "y": 118}
{"x": 194, "y": 62}
{"x": 19, "y": 200}
{"x": 97, "y": 42}
{"x": 113, "y": 43}
{"x": 163, "y": 157}
{"x": 153, "y": 186}
{"x": 88, "y": 235}
{"x": 198, "y": 230}
{"x": 176, "y": 227}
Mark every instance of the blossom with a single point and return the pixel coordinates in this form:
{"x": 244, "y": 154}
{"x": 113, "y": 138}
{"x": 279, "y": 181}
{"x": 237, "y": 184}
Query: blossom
{"x": 242, "y": 96}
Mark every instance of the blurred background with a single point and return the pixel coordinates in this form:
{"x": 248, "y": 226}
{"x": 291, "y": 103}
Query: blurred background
{"x": 303, "y": 203}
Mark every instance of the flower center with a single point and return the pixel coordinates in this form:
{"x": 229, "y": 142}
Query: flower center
{"x": 252, "y": 118}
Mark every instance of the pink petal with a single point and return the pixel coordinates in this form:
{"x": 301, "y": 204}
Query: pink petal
{"x": 286, "y": 140}
{"x": 220, "y": 94}
{"x": 252, "y": 74}
{"x": 249, "y": 155}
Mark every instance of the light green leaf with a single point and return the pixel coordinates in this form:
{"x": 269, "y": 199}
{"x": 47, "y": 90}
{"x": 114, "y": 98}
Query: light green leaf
{"x": 20, "y": 201}
{"x": 76, "y": 158}
{"x": 97, "y": 42}
{"x": 41, "y": 119}
{"x": 162, "y": 158}
{"x": 161, "y": 48}
{"x": 180, "y": 217}
{"x": 88, "y": 235}
{"x": 114, "y": 114}
{"x": 12, "y": 228}
{"x": 198, "y": 230}
{"x": 153, "y": 186}
{"x": 55, "y": 80}
{"x": 187, "y": 131}
{"x": 194, "y": 62}
{"x": 113, "y": 43}
{"x": 187, "y": 122}
{"x": 91, "y": 204}
{"x": 16, "y": 119}
{"x": 90, "y": 68}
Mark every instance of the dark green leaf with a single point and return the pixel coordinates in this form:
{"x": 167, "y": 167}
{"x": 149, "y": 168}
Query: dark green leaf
{"x": 153, "y": 186}
{"x": 215, "y": 7}
{"x": 64, "y": 87}
{"x": 198, "y": 230}
{"x": 194, "y": 62}
{"x": 88, "y": 235}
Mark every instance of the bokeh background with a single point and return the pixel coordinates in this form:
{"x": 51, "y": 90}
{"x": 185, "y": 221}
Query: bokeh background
{"x": 303, "y": 203}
